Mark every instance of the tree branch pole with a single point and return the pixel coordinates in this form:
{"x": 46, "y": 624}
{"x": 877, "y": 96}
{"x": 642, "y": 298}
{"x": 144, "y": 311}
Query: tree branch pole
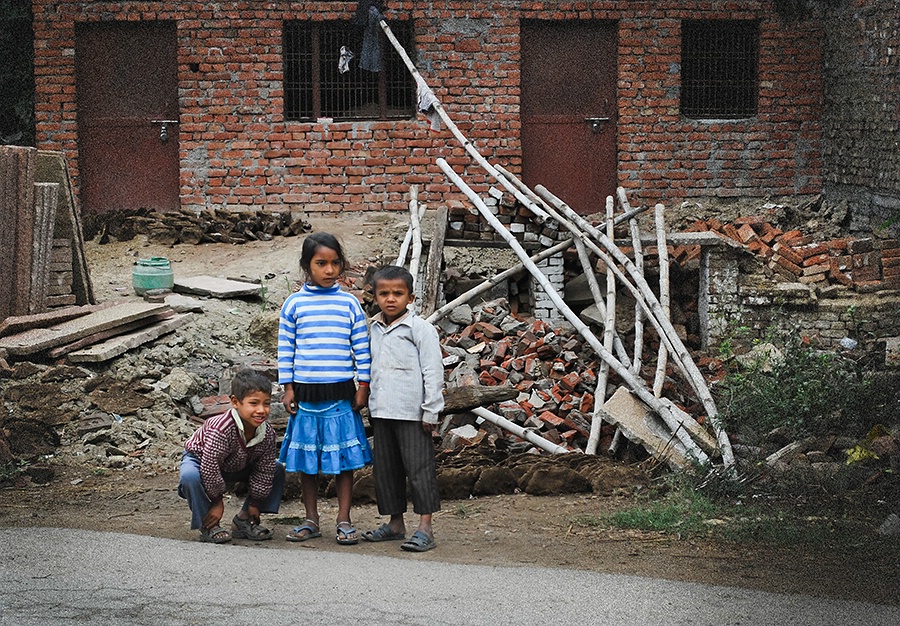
{"x": 467, "y": 145}
{"x": 496, "y": 280}
{"x": 677, "y": 348}
{"x": 523, "y": 433}
{"x": 672, "y": 417}
{"x": 407, "y": 239}
{"x": 586, "y": 264}
{"x": 639, "y": 264}
{"x": 608, "y": 331}
{"x": 434, "y": 262}
{"x": 662, "y": 252}
{"x": 416, "y": 233}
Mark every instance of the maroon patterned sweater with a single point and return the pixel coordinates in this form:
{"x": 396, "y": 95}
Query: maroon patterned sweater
{"x": 220, "y": 447}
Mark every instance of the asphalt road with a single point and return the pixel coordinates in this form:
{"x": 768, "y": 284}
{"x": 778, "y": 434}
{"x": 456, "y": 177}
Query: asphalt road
{"x": 60, "y": 577}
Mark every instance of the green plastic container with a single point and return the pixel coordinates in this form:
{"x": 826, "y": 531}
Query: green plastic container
{"x": 152, "y": 273}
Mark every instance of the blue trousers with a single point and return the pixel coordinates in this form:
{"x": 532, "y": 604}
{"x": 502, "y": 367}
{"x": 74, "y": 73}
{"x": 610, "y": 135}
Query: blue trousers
{"x": 190, "y": 487}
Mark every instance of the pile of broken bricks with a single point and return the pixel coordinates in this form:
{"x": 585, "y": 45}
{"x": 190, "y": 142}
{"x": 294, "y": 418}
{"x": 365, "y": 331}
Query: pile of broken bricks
{"x": 550, "y": 370}
{"x": 864, "y": 264}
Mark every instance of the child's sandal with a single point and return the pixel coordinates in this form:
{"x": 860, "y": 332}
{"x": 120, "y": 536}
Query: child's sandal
{"x": 216, "y": 534}
{"x": 246, "y": 529}
{"x": 308, "y": 530}
{"x": 346, "y": 534}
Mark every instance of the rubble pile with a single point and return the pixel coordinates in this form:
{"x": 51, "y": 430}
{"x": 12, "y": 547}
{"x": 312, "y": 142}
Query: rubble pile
{"x": 551, "y": 368}
{"x": 865, "y": 264}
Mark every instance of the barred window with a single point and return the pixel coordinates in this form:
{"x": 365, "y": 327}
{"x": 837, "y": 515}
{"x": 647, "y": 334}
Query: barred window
{"x": 315, "y": 86}
{"x": 719, "y": 68}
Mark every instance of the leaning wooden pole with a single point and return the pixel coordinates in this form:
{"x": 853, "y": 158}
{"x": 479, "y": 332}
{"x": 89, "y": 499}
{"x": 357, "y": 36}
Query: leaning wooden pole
{"x": 674, "y": 418}
{"x": 662, "y": 252}
{"x": 639, "y": 264}
{"x": 407, "y": 239}
{"x": 416, "y": 233}
{"x": 523, "y": 433}
{"x": 608, "y": 332}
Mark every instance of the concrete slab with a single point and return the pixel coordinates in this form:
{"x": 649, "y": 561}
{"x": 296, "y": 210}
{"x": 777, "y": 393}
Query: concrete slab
{"x": 640, "y": 425}
{"x": 215, "y": 287}
{"x": 121, "y": 344}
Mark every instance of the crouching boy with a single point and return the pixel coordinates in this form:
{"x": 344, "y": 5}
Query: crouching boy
{"x": 238, "y": 445}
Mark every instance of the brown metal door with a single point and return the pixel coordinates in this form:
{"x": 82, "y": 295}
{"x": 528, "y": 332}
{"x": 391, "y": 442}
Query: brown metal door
{"x": 127, "y": 88}
{"x": 568, "y": 108}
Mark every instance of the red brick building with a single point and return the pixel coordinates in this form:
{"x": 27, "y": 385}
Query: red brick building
{"x": 241, "y": 104}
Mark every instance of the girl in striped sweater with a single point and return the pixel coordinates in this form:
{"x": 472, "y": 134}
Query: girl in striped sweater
{"x": 323, "y": 363}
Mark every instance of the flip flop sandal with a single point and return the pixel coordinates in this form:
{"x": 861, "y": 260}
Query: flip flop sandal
{"x": 309, "y": 530}
{"x": 245, "y": 529}
{"x": 383, "y": 533}
{"x": 346, "y": 536}
{"x": 419, "y": 542}
{"x": 216, "y": 534}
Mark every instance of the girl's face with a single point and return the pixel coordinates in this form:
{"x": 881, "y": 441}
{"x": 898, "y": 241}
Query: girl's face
{"x": 324, "y": 267}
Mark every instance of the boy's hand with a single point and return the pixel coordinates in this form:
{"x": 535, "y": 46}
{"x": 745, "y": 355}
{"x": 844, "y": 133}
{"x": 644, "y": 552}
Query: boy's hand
{"x": 216, "y": 510}
{"x": 428, "y": 427}
{"x": 361, "y": 399}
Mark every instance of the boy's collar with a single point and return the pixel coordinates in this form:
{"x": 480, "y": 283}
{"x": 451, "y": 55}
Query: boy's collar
{"x": 403, "y": 319}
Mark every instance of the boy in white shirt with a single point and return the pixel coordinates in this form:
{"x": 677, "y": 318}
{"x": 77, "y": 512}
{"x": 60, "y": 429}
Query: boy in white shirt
{"x": 405, "y": 398}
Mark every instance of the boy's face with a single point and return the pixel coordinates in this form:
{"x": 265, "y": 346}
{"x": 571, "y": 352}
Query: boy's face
{"x": 392, "y": 297}
{"x": 253, "y": 409}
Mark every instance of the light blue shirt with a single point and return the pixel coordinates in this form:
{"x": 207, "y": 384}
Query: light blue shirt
{"x": 407, "y": 370}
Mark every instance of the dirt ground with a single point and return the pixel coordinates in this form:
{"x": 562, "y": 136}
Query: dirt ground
{"x": 509, "y": 530}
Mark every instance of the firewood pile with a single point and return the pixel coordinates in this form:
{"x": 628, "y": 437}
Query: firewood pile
{"x": 865, "y": 264}
{"x": 196, "y": 227}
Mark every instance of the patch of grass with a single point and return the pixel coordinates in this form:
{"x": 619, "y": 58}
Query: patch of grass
{"x": 10, "y": 470}
{"x": 462, "y": 511}
{"x": 677, "y": 513}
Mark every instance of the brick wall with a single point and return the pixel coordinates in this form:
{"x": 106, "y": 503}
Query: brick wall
{"x": 862, "y": 108}
{"x": 237, "y": 152}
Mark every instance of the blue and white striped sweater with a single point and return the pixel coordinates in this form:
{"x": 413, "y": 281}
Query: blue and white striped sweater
{"x": 322, "y": 337}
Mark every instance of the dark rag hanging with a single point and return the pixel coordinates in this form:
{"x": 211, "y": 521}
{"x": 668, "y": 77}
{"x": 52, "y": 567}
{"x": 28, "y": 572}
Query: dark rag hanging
{"x": 368, "y": 14}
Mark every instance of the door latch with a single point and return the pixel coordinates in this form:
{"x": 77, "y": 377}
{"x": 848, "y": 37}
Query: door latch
{"x": 164, "y": 128}
{"x": 596, "y": 123}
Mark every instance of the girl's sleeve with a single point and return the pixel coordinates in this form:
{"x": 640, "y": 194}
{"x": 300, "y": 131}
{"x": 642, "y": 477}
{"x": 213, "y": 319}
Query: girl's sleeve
{"x": 432, "y": 365}
{"x": 359, "y": 342}
{"x": 287, "y": 332}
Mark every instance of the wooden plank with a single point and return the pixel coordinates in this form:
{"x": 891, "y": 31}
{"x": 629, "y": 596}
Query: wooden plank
{"x": 61, "y": 301}
{"x": 216, "y": 287}
{"x": 45, "y": 200}
{"x": 59, "y": 351}
{"x": 39, "y": 339}
{"x": 18, "y": 323}
{"x": 52, "y": 167}
{"x": 9, "y": 216}
{"x": 17, "y": 219}
{"x": 116, "y": 346}
{"x": 434, "y": 264}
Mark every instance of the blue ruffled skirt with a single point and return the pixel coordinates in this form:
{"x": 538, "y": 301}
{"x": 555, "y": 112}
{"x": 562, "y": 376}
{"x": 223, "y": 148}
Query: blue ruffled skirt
{"x": 325, "y": 438}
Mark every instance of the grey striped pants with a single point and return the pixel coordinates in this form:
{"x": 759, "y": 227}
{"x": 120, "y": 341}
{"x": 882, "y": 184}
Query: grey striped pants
{"x": 404, "y": 450}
